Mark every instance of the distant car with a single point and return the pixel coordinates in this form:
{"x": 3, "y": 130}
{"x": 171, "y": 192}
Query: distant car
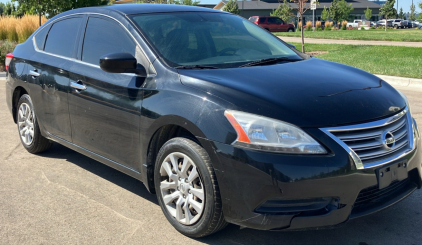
{"x": 273, "y": 24}
{"x": 382, "y": 23}
{"x": 398, "y": 23}
{"x": 412, "y": 24}
{"x": 420, "y": 26}
{"x": 354, "y": 24}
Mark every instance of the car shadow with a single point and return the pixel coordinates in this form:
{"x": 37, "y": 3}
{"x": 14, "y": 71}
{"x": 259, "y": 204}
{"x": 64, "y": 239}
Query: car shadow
{"x": 108, "y": 173}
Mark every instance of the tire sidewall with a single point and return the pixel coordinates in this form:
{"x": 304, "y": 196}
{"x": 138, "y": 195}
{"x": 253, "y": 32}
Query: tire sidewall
{"x": 27, "y": 99}
{"x": 177, "y": 145}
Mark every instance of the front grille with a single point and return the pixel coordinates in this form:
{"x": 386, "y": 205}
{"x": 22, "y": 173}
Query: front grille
{"x": 373, "y": 193}
{"x": 367, "y": 141}
{"x": 373, "y": 198}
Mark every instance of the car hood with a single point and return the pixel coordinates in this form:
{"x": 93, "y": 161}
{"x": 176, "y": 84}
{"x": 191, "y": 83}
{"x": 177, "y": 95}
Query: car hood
{"x": 309, "y": 93}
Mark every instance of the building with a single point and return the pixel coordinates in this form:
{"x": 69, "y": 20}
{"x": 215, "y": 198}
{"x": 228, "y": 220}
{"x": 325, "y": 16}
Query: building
{"x": 264, "y": 8}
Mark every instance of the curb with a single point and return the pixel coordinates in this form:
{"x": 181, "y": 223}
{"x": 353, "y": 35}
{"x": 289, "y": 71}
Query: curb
{"x": 402, "y": 81}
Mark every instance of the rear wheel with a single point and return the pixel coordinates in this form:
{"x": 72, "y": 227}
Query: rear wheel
{"x": 28, "y": 128}
{"x": 290, "y": 30}
{"x": 187, "y": 189}
{"x": 395, "y": 26}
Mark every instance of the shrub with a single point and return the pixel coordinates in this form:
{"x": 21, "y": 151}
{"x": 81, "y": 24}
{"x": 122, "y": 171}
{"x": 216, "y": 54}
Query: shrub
{"x": 299, "y": 25}
{"x": 318, "y": 26}
{"x": 328, "y": 26}
{"x": 18, "y": 29}
{"x": 373, "y": 28}
{"x": 362, "y": 28}
{"x": 5, "y": 48}
{"x": 309, "y": 25}
{"x": 344, "y": 25}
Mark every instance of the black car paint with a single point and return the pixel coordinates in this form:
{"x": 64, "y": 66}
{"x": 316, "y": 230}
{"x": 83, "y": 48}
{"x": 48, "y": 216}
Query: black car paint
{"x": 118, "y": 118}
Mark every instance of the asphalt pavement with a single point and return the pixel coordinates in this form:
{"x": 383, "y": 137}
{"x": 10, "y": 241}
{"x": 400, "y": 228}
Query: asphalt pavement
{"x": 63, "y": 197}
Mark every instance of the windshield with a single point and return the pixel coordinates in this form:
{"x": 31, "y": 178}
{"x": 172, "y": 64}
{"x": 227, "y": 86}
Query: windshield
{"x": 209, "y": 39}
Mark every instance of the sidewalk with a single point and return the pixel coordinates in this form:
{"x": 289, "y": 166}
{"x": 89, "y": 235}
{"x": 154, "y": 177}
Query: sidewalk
{"x": 353, "y": 42}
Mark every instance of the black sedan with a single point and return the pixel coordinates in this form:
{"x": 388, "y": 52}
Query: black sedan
{"x": 222, "y": 120}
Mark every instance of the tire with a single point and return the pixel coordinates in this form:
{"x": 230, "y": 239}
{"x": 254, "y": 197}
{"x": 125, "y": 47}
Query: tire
{"x": 267, "y": 29}
{"x": 395, "y": 26}
{"x": 290, "y": 30}
{"x": 172, "y": 186}
{"x": 28, "y": 129}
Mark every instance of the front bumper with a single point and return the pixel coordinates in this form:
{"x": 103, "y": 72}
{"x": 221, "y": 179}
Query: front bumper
{"x": 250, "y": 180}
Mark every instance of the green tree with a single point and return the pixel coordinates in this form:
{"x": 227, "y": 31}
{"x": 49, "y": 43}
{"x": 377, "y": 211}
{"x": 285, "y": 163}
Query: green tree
{"x": 284, "y": 11}
{"x": 187, "y": 2}
{"x": 2, "y": 6}
{"x": 232, "y": 7}
{"x": 368, "y": 13}
{"x": 412, "y": 15}
{"x": 111, "y": 2}
{"x": 401, "y": 14}
{"x": 8, "y": 9}
{"x": 325, "y": 15}
{"x": 51, "y": 8}
{"x": 388, "y": 10}
{"x": 340, "y": 10}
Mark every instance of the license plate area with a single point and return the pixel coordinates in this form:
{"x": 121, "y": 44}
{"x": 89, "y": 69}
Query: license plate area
{"x": 395, "y": 171}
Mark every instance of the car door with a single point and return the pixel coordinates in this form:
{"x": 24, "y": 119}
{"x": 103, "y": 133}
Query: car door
{"x": 272, "y": 24}
{"x": 49, "y": 69}
{"x": 281, "y": 25}
{"x": 105, "y": 107}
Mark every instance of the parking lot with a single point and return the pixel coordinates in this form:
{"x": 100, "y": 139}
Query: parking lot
{"x": 63, "y": 197}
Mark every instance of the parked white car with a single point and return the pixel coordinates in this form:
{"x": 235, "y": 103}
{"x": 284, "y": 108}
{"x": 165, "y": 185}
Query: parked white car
{"x": 354, "y": 24}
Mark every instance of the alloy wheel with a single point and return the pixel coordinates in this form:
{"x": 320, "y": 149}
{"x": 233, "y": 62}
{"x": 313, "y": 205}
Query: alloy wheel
{"x": 26, "y": 123}
{"x": 181, "y": 188}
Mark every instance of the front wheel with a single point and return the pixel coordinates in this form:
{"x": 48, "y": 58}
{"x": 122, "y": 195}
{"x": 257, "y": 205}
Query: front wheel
{"x": 28, "y": 128}
{"x": 290, "y": 30}
{"x": 187, "y": 188}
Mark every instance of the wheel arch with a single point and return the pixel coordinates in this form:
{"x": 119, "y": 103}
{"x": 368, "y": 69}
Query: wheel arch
{"x": 164, "y": 129}
{"x": 17, "y": 93}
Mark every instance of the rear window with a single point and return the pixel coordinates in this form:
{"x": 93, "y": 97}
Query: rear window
{"x": 253, "y": 19}
{"x": 40, "y": 37}
{"x": 62, "y": 37}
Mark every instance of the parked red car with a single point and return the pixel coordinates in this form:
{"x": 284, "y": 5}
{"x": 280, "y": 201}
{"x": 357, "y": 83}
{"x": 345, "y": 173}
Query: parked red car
{"x": 273, "y": 24}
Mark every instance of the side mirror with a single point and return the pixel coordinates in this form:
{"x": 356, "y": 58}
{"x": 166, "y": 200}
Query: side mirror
{"x": 291, "y": 45}
{"x": 121, "y": 63}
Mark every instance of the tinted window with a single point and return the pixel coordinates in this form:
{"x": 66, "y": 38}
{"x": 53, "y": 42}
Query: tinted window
{"x": 261, "y": 20}
{"x": 274, "y": 21}
{"x": 40, "y": 37}
{"x": 62, "y": 37}
{"x": 104, "y": 37}
{"x": 221, "y": 40}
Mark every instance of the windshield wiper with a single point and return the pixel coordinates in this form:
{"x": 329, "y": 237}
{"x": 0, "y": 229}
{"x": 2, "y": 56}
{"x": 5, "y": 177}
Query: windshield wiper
{"x": 268, "y": 61}
{"x": 196, "y": 67}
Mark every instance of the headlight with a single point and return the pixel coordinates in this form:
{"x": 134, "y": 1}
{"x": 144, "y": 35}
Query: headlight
{"x": 266, "y": 134}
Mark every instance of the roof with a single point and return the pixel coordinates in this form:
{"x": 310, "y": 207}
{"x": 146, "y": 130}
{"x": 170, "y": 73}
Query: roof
{"x": 256, "y": 5}
{"x": 129, "y": 9}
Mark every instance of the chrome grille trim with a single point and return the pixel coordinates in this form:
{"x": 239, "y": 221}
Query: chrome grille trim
{"x": 364, "y": 143}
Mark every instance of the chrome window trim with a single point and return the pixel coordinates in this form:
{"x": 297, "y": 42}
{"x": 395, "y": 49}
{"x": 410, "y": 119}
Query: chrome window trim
{"x": 375, "y": 124}
{"x": 86, "y": 63}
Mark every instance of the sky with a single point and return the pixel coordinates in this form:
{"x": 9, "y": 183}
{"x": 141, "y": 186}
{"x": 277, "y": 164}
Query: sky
{"x": 405, "y": 4}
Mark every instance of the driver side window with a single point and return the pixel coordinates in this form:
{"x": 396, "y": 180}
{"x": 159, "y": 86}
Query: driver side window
{"x": 104, "y": 37}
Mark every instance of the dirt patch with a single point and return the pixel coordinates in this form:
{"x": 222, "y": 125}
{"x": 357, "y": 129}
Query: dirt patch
{"x": 315, "y": 53}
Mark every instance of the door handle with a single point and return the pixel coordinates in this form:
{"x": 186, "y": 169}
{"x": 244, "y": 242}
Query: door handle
{"x": 34, "y": 73}
{"x": 78, "y": 86}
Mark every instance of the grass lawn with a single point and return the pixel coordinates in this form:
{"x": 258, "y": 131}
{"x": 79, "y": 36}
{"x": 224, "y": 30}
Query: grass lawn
{"x": 411, "y": 35}
{"x": 382, "y": 60}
